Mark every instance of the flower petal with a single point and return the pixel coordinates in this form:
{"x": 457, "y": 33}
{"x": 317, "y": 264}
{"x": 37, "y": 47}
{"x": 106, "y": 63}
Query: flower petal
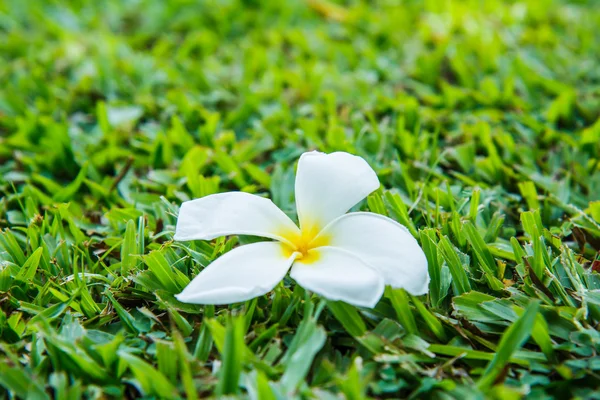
{"x": 328, "y": 185}
{"x": 239, "y": 275}
{"x": 385, "y": 245}
{"x": 338, "y": 275}
{"x": 233, "y": 213}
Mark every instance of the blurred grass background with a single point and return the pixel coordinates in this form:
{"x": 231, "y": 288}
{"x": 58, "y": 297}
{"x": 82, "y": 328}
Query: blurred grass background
{"x": 481, "y": 119}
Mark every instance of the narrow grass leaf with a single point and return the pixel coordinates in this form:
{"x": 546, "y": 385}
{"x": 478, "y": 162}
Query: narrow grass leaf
{"x": 349, "y": 317}
{"x": 126, "y": 319}
{"x": 17, "y": 382}
{"x": 460, "y": 280}
{"x": 151, "y": 381}
{"x": 233, "y": 358}
{"x": 433, "y": 323}
{"x": 400, "y": 302}
{"x": 160, "y": 268}
{"x": 28, "y": 270}
{"x": 483, "y": 255}
{"x": 128, "y": 249}
{"x": 307, "y": 342}
{"x": 514, "y": 337}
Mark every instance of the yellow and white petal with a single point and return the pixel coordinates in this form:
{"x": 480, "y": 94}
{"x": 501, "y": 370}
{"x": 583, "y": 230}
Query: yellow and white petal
{"x": 338, "y": 275}
{"x": 239, "y": 275}
{"x": 233, "y": 213}
{"x": 328, "y": 185}
{"x": 384, "y": 244}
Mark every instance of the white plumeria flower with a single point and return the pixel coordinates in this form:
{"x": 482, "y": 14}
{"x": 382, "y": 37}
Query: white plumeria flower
{"x": 348, "y": 257}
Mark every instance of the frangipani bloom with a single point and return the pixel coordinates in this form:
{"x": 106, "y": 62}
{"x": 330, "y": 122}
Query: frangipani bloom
{"x": 348, "y": 257}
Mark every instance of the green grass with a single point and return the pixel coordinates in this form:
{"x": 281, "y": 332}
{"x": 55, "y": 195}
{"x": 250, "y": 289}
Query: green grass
{"x": 481, "y": 119}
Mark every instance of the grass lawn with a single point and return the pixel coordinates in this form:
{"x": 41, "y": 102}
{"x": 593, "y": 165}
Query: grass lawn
{"x": 481, "y": 119}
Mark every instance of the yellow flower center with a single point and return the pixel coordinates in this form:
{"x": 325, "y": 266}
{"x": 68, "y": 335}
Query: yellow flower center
{"x": 306, "y": 244}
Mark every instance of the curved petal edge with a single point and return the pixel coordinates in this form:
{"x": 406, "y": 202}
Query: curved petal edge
{"x": 328, "y": 185}
{"x": 339, "y": 275}
{"x": 233, "y": 213}
{"x": 385, "y": 245}
{"x": 241, "y": 274}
